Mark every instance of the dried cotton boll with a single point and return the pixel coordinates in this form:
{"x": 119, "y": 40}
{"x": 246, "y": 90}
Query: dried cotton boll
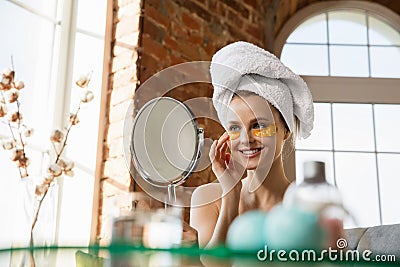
{"x": 83, "y": 81}
{"x": 23, "y": 172}
{"x": 27, "y": 131}
{"x": 57, "y": 136}
{"x": 54, "y": 170}
{"x": 8, "y": 144}
{"x": 13, "y": 95}
{"x": 69, "y": 165}
{"x": 5, "y": 83}
{"x": 73, "y": 118}
{"x": 40, "y": 189}
{"x": 15, "y": 117}
{"x": 3, "y": 110}
{"x": 19, "y": 85}
{"x": 23, "y": 162}
{"x": 48, "y": 179}
{"x": 87, "y": 96}
{"x": 8, "y": 72}
{"x": 17, "y": 154}
{"x": 61, "y": 163}
{"x": 69, "y": 173}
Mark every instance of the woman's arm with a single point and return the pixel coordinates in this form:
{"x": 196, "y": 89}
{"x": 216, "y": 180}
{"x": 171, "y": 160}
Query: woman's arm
{"x": 212, "y": 220}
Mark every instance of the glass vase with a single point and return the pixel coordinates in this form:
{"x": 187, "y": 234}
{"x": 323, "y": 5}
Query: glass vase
{"x": 37, "y": 210}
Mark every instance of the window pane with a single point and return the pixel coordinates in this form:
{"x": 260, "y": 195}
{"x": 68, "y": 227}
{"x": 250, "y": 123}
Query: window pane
{"x": 353, "y": 127}
{"x": 321, "y": 135}
{"x": 385, "y": 62}
{"x": 381, "y": 33}
{"x": 303, "y": 156}
{"x": 357, "y": 182}
{"x": 92, "y": 16}
{"x": 350, "y": 61}
{"x": 387, "y": 123}
{"x": 88, "y": 57}
{"x": 311, "y": 31}
{"x": 33, "y": 68}
{"x": 76, "y": 232}
{"x": 82, "y": 149}
{"x": 389, "y": 184}
{"x": 347, "y": 27}
{"x": 47, "y": 7}
{"x": 306, "y": 59}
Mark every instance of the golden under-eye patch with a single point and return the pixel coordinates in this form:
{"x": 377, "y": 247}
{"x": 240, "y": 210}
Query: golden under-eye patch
{"x": 233, "y": 135}
{"x": 265, "y": 132}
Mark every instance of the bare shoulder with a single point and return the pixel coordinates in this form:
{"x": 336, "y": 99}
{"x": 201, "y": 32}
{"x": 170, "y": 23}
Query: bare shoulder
{"x": 206, "y": 194}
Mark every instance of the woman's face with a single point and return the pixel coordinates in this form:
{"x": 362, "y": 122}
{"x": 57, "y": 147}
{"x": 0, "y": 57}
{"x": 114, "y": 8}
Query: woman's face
{"x": 247, "y": 117}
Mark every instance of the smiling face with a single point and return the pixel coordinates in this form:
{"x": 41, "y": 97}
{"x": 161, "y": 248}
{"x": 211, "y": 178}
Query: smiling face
{"x": 257, "y": 132}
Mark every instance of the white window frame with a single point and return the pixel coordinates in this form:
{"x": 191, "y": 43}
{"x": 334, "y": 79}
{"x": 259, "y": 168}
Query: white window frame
{"x": 61, "y": 97}
{"x": 330, "y": 89}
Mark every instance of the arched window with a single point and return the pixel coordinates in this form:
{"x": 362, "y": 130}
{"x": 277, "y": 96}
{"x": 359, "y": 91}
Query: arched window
{"x": 349, "y": 55}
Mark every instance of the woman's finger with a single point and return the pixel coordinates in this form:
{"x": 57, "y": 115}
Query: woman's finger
{"x": 222, "y": 151}
{"x": 211, "y": 154}
{"x": 222, "y": 140}
{"x": 227, "y": 158}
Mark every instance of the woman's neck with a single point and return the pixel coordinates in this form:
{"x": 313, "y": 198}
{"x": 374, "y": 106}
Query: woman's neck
{"x": 269, "y": 191}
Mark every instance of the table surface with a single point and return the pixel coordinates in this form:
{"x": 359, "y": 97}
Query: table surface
{"x": 130, "y": 256}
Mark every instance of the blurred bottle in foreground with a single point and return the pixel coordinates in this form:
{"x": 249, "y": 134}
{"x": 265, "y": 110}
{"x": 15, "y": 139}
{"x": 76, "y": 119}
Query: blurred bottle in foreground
{"x": 318, "y": 196}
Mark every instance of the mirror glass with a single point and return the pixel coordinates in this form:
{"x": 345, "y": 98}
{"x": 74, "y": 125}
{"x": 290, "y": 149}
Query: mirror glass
{"x": 165, "y": 142}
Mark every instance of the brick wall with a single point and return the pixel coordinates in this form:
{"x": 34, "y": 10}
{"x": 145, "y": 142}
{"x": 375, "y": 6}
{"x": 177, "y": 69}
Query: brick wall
{"x": 171, "y": 32}
{"x": 123, "y": 81}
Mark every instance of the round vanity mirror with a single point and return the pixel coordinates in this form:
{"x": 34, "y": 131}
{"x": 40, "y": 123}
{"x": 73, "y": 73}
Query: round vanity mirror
{"x": 166, "y": 142}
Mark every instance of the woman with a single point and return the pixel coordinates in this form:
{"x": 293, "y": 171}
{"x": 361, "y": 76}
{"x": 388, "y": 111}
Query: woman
{"x": 261, "y": 104}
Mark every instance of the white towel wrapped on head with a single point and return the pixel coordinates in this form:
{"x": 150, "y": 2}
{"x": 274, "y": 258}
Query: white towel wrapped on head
{"x": 244, "y": 66}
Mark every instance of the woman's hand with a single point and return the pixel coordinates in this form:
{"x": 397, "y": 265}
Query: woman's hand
{"x": 227, "y": 172}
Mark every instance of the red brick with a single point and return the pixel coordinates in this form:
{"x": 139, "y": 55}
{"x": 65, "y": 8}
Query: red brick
{"x": 172, "y": 10}
{"x": 254, "y": 31}
{"x": 188, "y": 51}
{"x": 253, "y": 3}
{"x": 154, "y": 30}
{"x": 159, "y": 5}
{"x": 153, "y": 48}
{"x": 196, "y": 39}
{"x": 190, "y": 21}
{"x": 210, "y": 48}
{"x": 176, "y": 59}
{"x": 170, "y": 43}
{"x": 197, "y": 9}
{"x": 149, "y": 66}
{"x": 178, "y": 31}
{"x": 239, "y": 8}
{"x": 235, "y": 19}
{"x": 155, "y": 15}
